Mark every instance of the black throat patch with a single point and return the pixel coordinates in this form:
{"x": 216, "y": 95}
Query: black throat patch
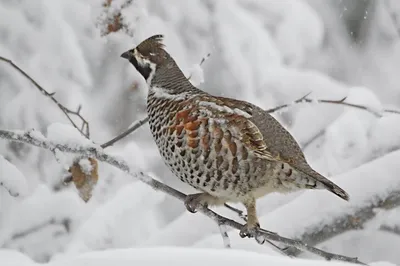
{"x": 143, "y": 70}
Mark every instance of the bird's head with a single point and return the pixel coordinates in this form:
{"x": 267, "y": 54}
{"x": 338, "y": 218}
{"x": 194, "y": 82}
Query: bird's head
{"x": 147, "y": 56}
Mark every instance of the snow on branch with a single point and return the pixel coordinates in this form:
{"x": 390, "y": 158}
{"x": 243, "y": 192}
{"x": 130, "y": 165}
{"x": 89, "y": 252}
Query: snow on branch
{"x": 94, "y": 151}
{"x": 346, "y": 222}
{"x": 12, "y": 179}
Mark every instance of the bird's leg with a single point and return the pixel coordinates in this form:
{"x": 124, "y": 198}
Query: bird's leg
{"x": 249, "y": 229}
{"x": 194, "y": 201}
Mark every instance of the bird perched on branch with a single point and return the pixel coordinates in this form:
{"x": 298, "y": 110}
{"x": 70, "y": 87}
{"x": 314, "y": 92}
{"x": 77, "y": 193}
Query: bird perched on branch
{"x": 230, "y": 150}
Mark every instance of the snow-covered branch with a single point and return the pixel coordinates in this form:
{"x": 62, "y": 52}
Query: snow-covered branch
{"x": 11, "y": 178}
{"x": 346, "y": 222}
{"x": 94, "y": 151}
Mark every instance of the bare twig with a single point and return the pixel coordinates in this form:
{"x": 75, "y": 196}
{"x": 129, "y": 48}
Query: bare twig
{"x": 304, "y": 99}
{"x": 134, "y": 126}
{"x": 200, "y": 64}
{"x": 84, "y": 129}
{"x": 94, "y": 151}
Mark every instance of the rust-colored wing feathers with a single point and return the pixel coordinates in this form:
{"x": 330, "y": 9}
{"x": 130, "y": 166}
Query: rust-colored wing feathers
{"x": 223, "y": 113}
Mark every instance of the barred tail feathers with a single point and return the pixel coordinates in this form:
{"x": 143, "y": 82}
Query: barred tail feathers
{"x": 322, "y": 182}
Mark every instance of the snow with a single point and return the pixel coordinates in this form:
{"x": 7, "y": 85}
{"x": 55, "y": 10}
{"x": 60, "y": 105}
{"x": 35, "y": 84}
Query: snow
{"x": 268, "y": 52}
{"x": 174, "y": 256}
{"x": 86, "y": 166}
{"x": 15, "y": 258}
{"x": 196, "y": 75}
{"x": 66, "y": 134}
{"x": 182, "y": 256}
{"x": 12, "y": 179}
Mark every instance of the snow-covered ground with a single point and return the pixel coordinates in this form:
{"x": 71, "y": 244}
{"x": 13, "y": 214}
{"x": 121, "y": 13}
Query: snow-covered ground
{"x": 269, "y": 52}
{"x": 171, "y": 256}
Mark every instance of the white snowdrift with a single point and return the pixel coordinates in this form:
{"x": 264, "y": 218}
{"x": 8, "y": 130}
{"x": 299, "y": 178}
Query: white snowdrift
{"x": 169, "y": 256}
{"x": 184, "y": 257}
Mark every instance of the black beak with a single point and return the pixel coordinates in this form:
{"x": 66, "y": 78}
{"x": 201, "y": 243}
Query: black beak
{"x": 126, "y": 55}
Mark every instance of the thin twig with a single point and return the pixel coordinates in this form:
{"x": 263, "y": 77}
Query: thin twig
{"x": 94, "y": 151}
{"x": 134, "y": 126}
{"x": 201, "y": 63}
{"x": 84, "y": 129}
{"x": 304, "y": 99}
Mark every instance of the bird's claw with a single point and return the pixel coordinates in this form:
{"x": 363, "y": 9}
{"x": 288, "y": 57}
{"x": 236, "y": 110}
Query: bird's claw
{"x": 192, "y": 202}
{"x": 249, "y": 231}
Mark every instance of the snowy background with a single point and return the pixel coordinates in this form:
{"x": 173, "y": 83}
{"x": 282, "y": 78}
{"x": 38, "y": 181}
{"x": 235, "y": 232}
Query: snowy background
{"x": 267, "y": 52}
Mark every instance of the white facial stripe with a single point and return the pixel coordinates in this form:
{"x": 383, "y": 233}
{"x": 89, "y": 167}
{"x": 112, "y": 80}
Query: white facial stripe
{"x": 144, "y": 63}
{"x": 153, "y": 71}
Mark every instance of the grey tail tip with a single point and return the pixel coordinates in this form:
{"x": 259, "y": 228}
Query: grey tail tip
{"x": 340, "y": 193}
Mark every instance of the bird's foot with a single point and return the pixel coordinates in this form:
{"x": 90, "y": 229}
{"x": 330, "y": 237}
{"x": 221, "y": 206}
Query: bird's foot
{"x": 249, "y": 231}
{"x": 194, "y": 201}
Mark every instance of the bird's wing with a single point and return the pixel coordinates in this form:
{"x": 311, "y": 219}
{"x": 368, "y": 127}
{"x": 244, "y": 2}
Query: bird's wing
{"x": 273, "y": 141}
{"x": 236, "y": 118}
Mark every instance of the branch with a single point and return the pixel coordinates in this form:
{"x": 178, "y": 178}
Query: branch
{"x": 354, "y": 221}
{"x": 304, "y": 99}
{"x": 84, "y": 129}
{"x": 64, "y": 222}
{"x": 262, "y": 236}
{"x": 137, "y": 124}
